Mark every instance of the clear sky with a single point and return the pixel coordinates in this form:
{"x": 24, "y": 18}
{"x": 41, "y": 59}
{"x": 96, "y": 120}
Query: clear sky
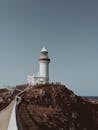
{"x": 68, "y": 28}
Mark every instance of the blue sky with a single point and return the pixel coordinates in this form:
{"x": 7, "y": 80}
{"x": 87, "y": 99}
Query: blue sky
{"x": 68, "y": 28}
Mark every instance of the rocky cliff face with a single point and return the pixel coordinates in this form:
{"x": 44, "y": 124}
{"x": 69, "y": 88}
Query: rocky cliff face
{"x": 55, "y": 107}
{"x": 5, "y": 98}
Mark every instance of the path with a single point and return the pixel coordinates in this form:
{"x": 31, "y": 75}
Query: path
{"x": 5, "y": 116}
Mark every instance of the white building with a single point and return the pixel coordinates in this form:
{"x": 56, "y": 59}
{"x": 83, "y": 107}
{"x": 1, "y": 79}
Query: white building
{"x": 43, "y": 75}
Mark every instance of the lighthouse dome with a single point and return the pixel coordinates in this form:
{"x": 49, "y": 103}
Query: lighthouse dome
{"x": 44, "y": 49}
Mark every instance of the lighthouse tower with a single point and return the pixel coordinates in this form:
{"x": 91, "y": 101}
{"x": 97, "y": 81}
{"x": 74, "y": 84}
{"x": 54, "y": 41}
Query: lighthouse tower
{"x": 44, "y": 61}
{"x": 43, "y": 75}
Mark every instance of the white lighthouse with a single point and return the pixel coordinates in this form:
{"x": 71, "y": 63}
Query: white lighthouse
{"x": 44, "y": 61}
{"x": 43, "y": 75}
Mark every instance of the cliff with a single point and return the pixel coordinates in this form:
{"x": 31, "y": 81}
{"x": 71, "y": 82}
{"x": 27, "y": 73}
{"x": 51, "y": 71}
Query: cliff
{"x": 5, "y": 98}
{"x": 55, "y": 107}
